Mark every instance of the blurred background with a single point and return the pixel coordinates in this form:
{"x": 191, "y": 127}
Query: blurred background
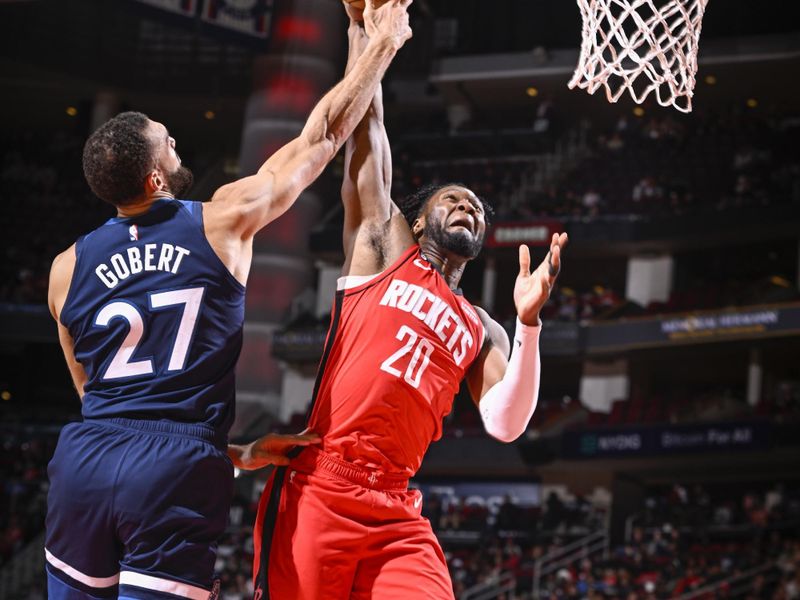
{"x": 663, "y": 459}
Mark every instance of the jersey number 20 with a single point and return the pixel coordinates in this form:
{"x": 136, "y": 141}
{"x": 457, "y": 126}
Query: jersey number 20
{"x": 121, "y": 365}
{"x": 420, "y": 359}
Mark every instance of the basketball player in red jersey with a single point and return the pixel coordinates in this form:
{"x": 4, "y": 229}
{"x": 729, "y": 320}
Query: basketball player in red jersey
{"x": 339, "y": 522}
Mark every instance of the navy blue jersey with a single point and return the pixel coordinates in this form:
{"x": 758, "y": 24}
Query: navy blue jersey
{"x": 156, "y": 319}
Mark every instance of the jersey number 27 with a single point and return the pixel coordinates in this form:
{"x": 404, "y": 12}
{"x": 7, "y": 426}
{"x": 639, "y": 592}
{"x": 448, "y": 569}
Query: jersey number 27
{"x": 121, "y": 365}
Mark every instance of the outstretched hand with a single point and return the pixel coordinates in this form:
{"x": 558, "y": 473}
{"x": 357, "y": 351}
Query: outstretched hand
{"x": 271, "y": 449}
{"x": 532, "y": 290}
{"x": 389, "y": 20}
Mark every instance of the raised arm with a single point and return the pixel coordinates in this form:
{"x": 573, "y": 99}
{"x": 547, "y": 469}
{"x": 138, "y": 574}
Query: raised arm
{"x": 507, "y": 390}
{"x": 238, "y": 210}
{"x": 375, "y": 232}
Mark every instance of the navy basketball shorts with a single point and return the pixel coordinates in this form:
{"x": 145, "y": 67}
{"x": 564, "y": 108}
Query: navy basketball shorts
{"x": 135, "y": 510}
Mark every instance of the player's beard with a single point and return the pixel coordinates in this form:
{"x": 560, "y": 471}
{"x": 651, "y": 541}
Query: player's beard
{"x": 462, "y": 243}
{"x": 179, "y": 182}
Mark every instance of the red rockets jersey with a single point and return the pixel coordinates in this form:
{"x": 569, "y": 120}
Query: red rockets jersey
{"x": 397, "y": 350}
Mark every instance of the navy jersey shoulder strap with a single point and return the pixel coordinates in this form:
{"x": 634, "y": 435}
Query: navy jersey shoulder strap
{"x": 195, "y": 210}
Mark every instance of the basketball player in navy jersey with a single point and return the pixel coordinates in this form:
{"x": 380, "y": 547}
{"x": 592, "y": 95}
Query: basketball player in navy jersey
{"x": 150, "y": 308}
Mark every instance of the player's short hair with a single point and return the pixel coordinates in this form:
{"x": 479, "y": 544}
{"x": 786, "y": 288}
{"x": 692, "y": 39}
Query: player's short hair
{"x": 117, "y": 158}
{"x": 413, "y": 205}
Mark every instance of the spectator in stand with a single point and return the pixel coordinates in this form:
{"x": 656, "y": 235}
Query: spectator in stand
{"x": 615, "y": 143}
{"x": 544, "y": 116}
{"x": 568, "y": 305}
{"x": 591, "y": 202}
{"x": 744, "y": 158}
{"x": 774, "y": 498}
{"x": 508, "y": 514}
{"x": 646, "y": 190}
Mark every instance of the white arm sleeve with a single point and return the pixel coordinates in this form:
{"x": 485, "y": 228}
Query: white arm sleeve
{"x": 507, "y": 408}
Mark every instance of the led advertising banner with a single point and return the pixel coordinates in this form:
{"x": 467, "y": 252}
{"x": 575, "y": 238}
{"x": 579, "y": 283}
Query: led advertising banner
{"x": 708, "y": 326}
{"x": 534, "y": 233}
{"x": 635, "y": 442}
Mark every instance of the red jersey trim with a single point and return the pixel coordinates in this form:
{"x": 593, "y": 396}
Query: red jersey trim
{"x": 333, "y": 333}
{"x": 267, "y": 524}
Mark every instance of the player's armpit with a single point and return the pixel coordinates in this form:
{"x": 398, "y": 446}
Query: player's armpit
{"x": 374, "y": 245}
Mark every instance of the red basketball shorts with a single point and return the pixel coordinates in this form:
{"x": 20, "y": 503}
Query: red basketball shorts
{"x": 330, "y": 530}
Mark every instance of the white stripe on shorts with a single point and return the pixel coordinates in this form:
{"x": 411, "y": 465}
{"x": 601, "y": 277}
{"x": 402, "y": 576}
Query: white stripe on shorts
{"x": 95, "y": 582}
{"x": 163, "y": 585}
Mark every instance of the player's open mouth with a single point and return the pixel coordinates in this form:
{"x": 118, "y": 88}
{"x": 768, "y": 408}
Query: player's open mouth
{"x": 466, "y": 223}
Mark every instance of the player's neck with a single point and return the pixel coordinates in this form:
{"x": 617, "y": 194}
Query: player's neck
{"x": 449, "y": 265}
{"x": 141, "y": 206}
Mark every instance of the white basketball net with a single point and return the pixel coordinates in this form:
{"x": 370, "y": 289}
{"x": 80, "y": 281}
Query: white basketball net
{"x": 640, "y": 46}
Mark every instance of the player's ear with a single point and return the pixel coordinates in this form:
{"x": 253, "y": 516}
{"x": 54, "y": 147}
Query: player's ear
{"x": 418, "y": 227}
{"x": 153, "y": 182}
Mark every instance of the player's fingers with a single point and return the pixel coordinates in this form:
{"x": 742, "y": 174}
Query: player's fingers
{"x": 563, "y": 239}
{"x": 553, "y": 244}
{"x": 285, "y": 441}
{"x": 524, "y": 260}
{"x": 312, "y": 434}
{"x": 278, "y": 460}
{"x": 554, "y": 261}
{"x": 556, "y": 257}
{"x": 265, "y": 445}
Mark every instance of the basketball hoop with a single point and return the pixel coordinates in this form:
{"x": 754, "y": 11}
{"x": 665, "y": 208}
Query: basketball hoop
{"x": 640, "y": 46}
